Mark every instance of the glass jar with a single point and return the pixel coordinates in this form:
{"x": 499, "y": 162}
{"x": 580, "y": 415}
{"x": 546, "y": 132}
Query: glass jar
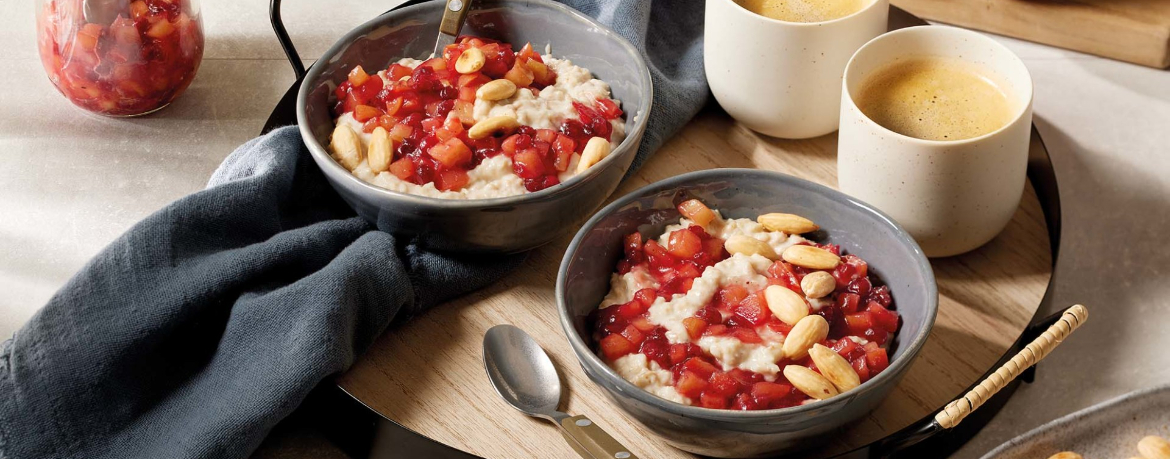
{"x": 120, "y": 57}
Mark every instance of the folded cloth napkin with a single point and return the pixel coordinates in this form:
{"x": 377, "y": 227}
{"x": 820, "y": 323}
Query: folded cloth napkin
{"x": 204, "y": 325}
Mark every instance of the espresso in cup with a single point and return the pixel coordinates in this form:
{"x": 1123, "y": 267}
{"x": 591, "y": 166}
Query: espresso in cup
{"x": 935, "y": 132}
{"x": 936, "y": 98}
{"x": 803, "y": 10}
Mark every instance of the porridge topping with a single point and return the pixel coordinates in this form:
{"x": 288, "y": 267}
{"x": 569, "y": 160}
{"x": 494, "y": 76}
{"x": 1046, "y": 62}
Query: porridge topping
{"x": 441, "y": 124}
{"x": 739, "y": 314}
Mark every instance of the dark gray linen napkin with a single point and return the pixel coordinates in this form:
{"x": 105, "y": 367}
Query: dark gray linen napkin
{"x": 194, "y": 333}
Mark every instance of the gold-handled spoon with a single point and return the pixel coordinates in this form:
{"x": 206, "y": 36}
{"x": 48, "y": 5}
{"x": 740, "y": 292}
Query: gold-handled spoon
{"x": 454, "y": 14}
{"x": 525, "y": 377}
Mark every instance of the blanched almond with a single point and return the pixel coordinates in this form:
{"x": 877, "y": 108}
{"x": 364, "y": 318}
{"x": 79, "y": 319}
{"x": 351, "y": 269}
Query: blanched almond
{"x": 834, "y": 367}
{"x": 788, "y": 223}
{"x": 785, "y": 304}
{"x": 496, "y": 90}
{"x": 346, "y": 147}
{"x": 470, "y": 60}
{"x": 748, "y": 245}
{"x": 810, "y": 382}
{"x": 810, "y": 330}
{"x": 492, "y": 125}
{"x": 1066, "y": 455}
{"x": 818, "y": 284}
{"x": 381, "y": 150}
{"x": 595, "y": 150}
{"x": 807, "y": 256}
{"x": 1154, "y": 447}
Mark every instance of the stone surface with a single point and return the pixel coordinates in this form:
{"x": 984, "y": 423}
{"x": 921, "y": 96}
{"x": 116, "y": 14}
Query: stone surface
{"x": 72, "y": 182}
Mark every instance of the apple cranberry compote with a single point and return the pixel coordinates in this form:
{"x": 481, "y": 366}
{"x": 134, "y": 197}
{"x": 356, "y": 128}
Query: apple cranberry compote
{"x": 137, "y": 61}
{"x": 743, "y": 314}
{"x": 480, "y": 121}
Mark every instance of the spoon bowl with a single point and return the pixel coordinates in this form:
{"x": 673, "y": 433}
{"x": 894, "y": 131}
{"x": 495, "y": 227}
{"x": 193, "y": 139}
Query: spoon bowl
{"x": 521, "y": 372}
{"x": 525, "y": 377}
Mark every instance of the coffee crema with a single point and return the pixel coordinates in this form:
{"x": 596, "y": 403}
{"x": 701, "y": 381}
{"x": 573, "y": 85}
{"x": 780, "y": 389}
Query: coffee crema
{"x": 803, "y": 10}
{"x": 935, "y": 98}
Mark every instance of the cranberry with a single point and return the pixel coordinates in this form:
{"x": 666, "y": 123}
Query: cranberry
{"x": 423, "y": 79}
{"x": 880, "y": 295}
{"x": 658, "y": 350}
{"x": 860, "y": 286}
{"x": 540, "y": 183}
{"x": 485, "y": 153}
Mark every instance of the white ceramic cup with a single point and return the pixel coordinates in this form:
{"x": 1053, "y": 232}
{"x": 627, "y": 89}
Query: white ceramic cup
{"x": 778, "y": 78}
{"x": 952, "y": 196}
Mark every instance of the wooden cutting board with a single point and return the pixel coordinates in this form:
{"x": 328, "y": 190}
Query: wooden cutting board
{"x": 1135, "y": 31}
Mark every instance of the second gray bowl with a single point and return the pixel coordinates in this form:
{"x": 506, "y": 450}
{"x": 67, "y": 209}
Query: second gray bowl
{"x": 510, "y": 224}
{"x": 893, "y": 255}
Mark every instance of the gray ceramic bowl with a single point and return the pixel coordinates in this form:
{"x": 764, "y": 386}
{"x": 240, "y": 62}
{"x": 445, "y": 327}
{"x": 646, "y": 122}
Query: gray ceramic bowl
{"x": 893, "y": 256}
{"x": 509, "y": 224}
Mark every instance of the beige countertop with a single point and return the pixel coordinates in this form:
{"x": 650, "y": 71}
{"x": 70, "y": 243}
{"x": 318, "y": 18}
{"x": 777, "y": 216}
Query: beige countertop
{"x": 72, "y": 182}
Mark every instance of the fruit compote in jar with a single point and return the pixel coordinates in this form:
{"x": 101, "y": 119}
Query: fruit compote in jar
{"x": 120, "y": 57}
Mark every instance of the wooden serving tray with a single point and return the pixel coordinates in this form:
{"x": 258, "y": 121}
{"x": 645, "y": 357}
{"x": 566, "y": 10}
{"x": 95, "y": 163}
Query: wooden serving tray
{"x": 428, "y": 375}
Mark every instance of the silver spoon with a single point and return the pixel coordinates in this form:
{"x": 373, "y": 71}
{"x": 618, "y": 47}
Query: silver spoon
{"x": 525, "y": 377}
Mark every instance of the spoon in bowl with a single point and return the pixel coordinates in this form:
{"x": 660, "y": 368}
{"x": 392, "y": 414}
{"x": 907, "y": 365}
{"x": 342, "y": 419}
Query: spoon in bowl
{"x": 525, "y": 377}
{"x": 454, "y": 14}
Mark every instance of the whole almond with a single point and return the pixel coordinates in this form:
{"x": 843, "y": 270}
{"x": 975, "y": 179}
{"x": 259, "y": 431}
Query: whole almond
{"x": 810, "y": 330}
{"x": 1066, "y": 455}
{"x": 810, "y": 382}
{"x": 381, "y": 150}
{"x": 470, "y": 60}
{"x": 785, "y": 304}
{"x": 818, "y": 284}
{"x": 492, "y": 125}
{"x": 807, "y": 256}
{"x": 834, "y": 367}
{"x": 346, "y": 147}
{"x": 788, "y": 223}
{"x": 595, "y": 150}
{"x": 1154, "y": 447}
{"x": 496, "y": 90}
{"x": 748, "y": 245}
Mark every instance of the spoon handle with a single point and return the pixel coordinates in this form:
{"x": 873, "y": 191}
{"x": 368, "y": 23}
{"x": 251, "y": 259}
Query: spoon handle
{"x": 587, "y": 438}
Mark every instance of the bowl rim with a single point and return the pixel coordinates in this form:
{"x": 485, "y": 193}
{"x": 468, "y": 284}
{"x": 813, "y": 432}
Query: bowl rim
{"x": 586, "y": 357}
{"x": 330, "y": 166}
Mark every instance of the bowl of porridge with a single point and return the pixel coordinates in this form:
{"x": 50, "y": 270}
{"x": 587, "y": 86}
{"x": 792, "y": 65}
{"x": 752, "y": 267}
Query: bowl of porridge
{"x": 738, "y": 313}
{"x": 500, "y": 143}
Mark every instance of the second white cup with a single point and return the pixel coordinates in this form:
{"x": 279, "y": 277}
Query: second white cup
{"x": 778, "y": 78}
{"x": 952, "y": 196}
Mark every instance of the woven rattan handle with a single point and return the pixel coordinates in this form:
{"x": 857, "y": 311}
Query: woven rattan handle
{"x": 954, "y": 412}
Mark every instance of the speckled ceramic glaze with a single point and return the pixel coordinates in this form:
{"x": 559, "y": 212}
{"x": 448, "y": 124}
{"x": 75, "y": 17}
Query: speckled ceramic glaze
{"x": 508, "y": 224}
{"x": 1109, "y": 430}
{"x": 584, "y": 276}
{"x": 779, "y": 78}
{"x": 952, "y": 196}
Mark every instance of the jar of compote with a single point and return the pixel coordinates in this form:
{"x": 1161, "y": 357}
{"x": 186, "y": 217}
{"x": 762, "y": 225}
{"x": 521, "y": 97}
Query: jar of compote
{"x": 120, "y": 57}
